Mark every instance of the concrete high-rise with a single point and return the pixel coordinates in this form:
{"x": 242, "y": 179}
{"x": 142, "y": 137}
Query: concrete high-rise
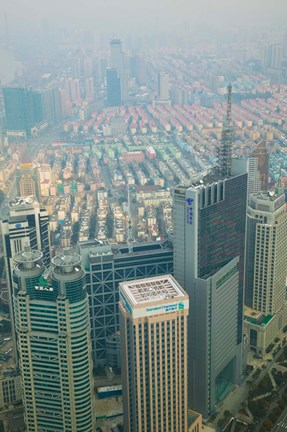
{"x": 106, "y": 267}
{"x": 209, "y": 243}
{"x": 26, "y": 223}
{"x": 89, "y": 88}
{"x": 258, "y": 169}
{"x": 53, "y": 334}
{"x": 266, "y": 252}
{"x": 153, "y": 326}
{"x": 27, "y": 181}
{"x": 265, "y": 269}
{"x": 72, "y": 88}
{"x": 272, "y": 56}
{"x": 51, "y": 103}
{"x": 163, "y": 86}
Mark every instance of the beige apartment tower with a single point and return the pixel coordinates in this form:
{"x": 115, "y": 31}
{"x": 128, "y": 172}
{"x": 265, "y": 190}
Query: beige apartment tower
{"x": 266, "y": 253}
{"x": 153, "y": 326}
{"x": 265, "y": 269}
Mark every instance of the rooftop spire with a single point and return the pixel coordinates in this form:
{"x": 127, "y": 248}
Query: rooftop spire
{"x": 224, "y": 150}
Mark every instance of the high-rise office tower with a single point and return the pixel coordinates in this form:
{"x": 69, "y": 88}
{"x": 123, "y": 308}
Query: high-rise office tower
{"x": 209, "y": 243}
{"x": 26, "y": 223}
{"x": 163, "y": 86}
{"x": 27, "y": 181}
{"x": 113, "y": 88}
{"x": 106, "y": 267}
{"x": 23, "y": 110}
{"x": 53, "y": 332}
{"x": 153, "y": 326}
{"x": 266, "y": 252}
{"x": 118, "y": 63}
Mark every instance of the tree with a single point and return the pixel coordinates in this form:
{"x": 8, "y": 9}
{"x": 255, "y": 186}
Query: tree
{"x": 267, "y": 424}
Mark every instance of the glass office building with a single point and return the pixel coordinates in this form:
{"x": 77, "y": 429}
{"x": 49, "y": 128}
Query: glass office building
{"x": 106, "y": 267}
{"x": 209, "y": 243}
{"x": 53, "y": 334}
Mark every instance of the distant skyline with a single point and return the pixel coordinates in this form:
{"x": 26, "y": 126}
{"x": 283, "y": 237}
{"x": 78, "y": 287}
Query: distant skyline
{"x": 143, "y": 16}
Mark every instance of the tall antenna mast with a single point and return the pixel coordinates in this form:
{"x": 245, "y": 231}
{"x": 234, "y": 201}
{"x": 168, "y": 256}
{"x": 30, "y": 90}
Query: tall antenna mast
{"x": 129, "y": 239}
{"x": 224, "y": 151}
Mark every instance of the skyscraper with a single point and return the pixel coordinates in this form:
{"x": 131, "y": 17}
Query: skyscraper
{"x": 209, "y": 234}
{"x": 23, "y": 109}
{"x": 260, "y": 153}
{"x": 89, "y": 88}
{"x": 51, "y": 103}
{"x": 209, "y": 244}
{"x": 153, "y": 326}
{"x": 106, "y": 267}
{"x": 113, "y": 88}
{"x": 27, "y": 181}
{"x": 258, "y": 170}
{"x": 272, "y": 56}
{"x": 266, "y": 252}
{"x": 265, "y": 313}
{"x": 72, "y": 87}
{"x": 163, "y": 86}
{"x": 118, "y": 63}
{"x": 26, "y": 223}
{"x": 52, "y": 323}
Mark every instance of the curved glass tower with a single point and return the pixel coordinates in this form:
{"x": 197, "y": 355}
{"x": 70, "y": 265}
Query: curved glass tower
{"x": 52, "y": 324}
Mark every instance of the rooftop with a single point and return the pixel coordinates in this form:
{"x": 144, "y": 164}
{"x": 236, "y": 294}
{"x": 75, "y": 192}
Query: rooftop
{"x": 267, "y": 196}
{"x": 256, "y": 317}
{"x": 153, "y": 289}
{"x": 22, "y": 202}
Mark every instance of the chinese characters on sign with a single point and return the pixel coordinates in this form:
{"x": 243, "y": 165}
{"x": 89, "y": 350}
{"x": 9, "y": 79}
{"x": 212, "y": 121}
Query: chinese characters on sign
{"x": 189, "y": 211}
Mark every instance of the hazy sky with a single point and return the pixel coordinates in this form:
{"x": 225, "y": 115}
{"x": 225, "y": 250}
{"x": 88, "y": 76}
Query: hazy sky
{"x": 122, "y": 15}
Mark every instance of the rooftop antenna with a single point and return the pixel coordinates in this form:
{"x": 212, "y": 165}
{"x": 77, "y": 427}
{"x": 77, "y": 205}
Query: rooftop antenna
{"x": 129, "y": 239}
{"x": 225, "y": 148}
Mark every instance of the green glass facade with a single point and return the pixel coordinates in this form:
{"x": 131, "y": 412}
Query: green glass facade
{"x": 52, "y": 323}
{"x": 23, "y": 109}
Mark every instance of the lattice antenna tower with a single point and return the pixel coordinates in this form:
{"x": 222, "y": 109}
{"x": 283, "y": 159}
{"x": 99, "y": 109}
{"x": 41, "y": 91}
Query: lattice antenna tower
{"x": 130, "y": 234}
{"x": 225, "y": 148}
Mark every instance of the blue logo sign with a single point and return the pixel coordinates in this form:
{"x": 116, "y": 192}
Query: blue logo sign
{"x": 18, "y": 225}
{"x": 189, "y": 211}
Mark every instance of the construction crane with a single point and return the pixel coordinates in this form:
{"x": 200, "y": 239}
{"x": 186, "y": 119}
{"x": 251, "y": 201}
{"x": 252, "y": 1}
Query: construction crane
{"x": 225, "y": 148}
